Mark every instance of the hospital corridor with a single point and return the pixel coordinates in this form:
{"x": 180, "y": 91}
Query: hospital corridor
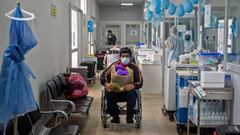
{"x": 119, "y": 67}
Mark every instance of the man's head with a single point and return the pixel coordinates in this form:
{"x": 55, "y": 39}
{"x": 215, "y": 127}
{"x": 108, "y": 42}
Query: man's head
{"x": 174, "y": 30}
{"x": 125, "y": 55}
{"x": 109, "y": 31}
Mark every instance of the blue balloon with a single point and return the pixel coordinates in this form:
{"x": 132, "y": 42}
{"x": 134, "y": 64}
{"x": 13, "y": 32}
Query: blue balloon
{"x": 149, "y": 15}
{"x": 188, "y": 6}
{"x": 158, "y": 11}
{"x": 90, "y": 26}
{"x": 91, "y": 29}
{"x": 165, "y": 4}
{"x": 153, "y": 2}
{"x": 158, "y": 8}
{"x": 90, "y": 22}
{"x": 171, "y": 9}
{"x": 194, "y": 1}
{"x": 180, "y": 10}
{"x": 158, "y": 3}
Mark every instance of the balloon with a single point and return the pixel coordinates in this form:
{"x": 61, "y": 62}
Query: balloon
{"x": 158, "y": 3}
{"x": 149, "y": 15}
{"x": 152, "y": 8}
{"x": 165, "y": 4}
{"x": 90, "y": 26}
{"x": 188, "y": 6}
{"x": 180, "y": 10}
{"x": 158, "y": 10}
{"x": 153, "y": 2}
{"x": 145, "y": 10}
{"x": 171, "y": 9}
{"x": 194, "y": 1}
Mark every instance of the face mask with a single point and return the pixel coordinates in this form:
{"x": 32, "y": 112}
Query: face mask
{"x": 125, "y": 61}
{"x": 187, "y": 38}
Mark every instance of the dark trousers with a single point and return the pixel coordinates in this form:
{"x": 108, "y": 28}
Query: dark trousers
{"x": 112, "y": 99}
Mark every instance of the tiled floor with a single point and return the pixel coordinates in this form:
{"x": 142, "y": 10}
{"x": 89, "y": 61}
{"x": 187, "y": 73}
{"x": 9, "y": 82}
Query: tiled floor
{"x": 153, "y": 122}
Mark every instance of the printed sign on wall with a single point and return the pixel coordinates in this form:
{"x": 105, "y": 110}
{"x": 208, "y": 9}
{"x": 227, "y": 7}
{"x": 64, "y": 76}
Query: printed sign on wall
{"x": 207, "y": 16}
{"x": 53, "y": 10}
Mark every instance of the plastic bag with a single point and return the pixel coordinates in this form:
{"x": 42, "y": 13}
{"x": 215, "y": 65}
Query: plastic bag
{"x": 77, "y": 87}
{"x": 119, "y": 80}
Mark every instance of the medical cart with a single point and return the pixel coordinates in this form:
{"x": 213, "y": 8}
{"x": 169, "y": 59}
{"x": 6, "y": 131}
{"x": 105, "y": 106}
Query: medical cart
{"x": 207, "y": 117}
{"x": 182, "y": 78}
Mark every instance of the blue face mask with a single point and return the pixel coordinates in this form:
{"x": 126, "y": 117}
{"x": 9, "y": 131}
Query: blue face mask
{"x": 125, "y": 61}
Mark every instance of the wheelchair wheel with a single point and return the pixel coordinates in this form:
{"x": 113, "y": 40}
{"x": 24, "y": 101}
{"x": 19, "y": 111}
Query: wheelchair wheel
{"x": 103, "y": 111}
{"x": 138, "y": 115}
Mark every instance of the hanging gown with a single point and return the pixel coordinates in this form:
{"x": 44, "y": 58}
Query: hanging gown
{"x": 16, "y": 96}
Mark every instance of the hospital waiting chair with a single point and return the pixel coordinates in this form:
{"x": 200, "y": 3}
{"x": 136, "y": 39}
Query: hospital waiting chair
{"x": 32, "y": 124}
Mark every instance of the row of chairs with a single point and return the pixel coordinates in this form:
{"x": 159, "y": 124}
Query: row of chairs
{"x": 32, "y": 124}
{"x": 57, "y": 87}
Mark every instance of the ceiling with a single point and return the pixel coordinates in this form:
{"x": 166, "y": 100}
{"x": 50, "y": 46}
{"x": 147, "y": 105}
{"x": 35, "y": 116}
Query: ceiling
{"x": 118, "y": 2}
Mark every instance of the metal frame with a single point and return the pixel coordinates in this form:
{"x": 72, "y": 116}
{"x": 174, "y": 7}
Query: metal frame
{"x": 138, "y": 108}
{"x": 225, "y": 94}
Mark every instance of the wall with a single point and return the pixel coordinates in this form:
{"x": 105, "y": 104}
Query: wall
{"x": 114, "y": 13}
{"x": 51, "y": 55}
{"x": 236, "y": 80}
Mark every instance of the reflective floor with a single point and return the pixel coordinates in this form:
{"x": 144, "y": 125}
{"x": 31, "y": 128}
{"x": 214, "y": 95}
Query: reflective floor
{"x": 153, "y": 122}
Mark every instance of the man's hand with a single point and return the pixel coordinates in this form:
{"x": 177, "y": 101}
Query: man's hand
{"x": 109, "y": 87}
{"x": 129, "y": 87}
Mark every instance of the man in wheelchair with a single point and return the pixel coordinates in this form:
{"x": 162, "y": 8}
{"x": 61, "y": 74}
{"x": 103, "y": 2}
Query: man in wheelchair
{"x": 127, "y": 91}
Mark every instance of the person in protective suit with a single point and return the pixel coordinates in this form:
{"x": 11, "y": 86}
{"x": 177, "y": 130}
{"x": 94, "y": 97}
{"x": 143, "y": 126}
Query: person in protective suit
{"x": 175, "y": 45}
{"x": 188, "y": 43}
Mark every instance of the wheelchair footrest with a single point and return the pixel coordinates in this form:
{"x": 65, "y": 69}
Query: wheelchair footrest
{"x": 123, "y": 112}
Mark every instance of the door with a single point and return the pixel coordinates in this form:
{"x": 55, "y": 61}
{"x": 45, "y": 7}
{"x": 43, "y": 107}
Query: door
{"x": 75, "y": 15}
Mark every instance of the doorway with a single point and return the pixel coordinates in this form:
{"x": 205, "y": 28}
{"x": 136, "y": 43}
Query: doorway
{"x": 75, "y": 15}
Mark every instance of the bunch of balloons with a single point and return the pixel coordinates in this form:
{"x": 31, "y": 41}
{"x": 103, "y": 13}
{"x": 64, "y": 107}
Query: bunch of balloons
{"x": 154, "y": 8}
{"x": 91, "y": 25}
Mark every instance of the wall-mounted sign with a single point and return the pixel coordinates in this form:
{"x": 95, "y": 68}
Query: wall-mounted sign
{"x": 53, "y": 10}
{"x": 181, "y": 28}
{"x": 207, "y": 16}
{"x": 133, "y": 33}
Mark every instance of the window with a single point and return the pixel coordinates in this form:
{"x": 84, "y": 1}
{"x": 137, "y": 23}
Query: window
{"x": 116, "y": 30}
{"x": 74, "y": 59}
{"x": 83, "y": 5}
{"x": 132, "y": 34}
{"x": 90, "y": 43}
{"x": 74, "y": 26}
{"x": 74, "y": 46}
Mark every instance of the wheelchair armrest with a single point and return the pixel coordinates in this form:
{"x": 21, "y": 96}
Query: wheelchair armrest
{"x": 66, "y": 102}
{"x": 63, "y": 115}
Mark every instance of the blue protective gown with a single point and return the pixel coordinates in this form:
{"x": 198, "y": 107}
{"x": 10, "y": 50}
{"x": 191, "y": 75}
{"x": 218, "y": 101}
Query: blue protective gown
{"x": 177, "y": 48}
{"x": 16, "y": 96}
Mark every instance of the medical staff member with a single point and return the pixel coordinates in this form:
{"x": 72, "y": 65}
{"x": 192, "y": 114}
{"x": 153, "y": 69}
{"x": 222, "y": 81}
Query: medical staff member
{"x": 188, "y": 43}
{"x": 175, "y": 46}
{"x": 129, "y": 94}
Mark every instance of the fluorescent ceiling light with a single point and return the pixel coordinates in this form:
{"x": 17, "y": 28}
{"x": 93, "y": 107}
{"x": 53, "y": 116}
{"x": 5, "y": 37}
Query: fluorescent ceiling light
{"x": 126, "y": 4}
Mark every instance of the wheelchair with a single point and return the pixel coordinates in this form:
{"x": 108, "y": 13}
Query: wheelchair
{"x": 137, "y": 110}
